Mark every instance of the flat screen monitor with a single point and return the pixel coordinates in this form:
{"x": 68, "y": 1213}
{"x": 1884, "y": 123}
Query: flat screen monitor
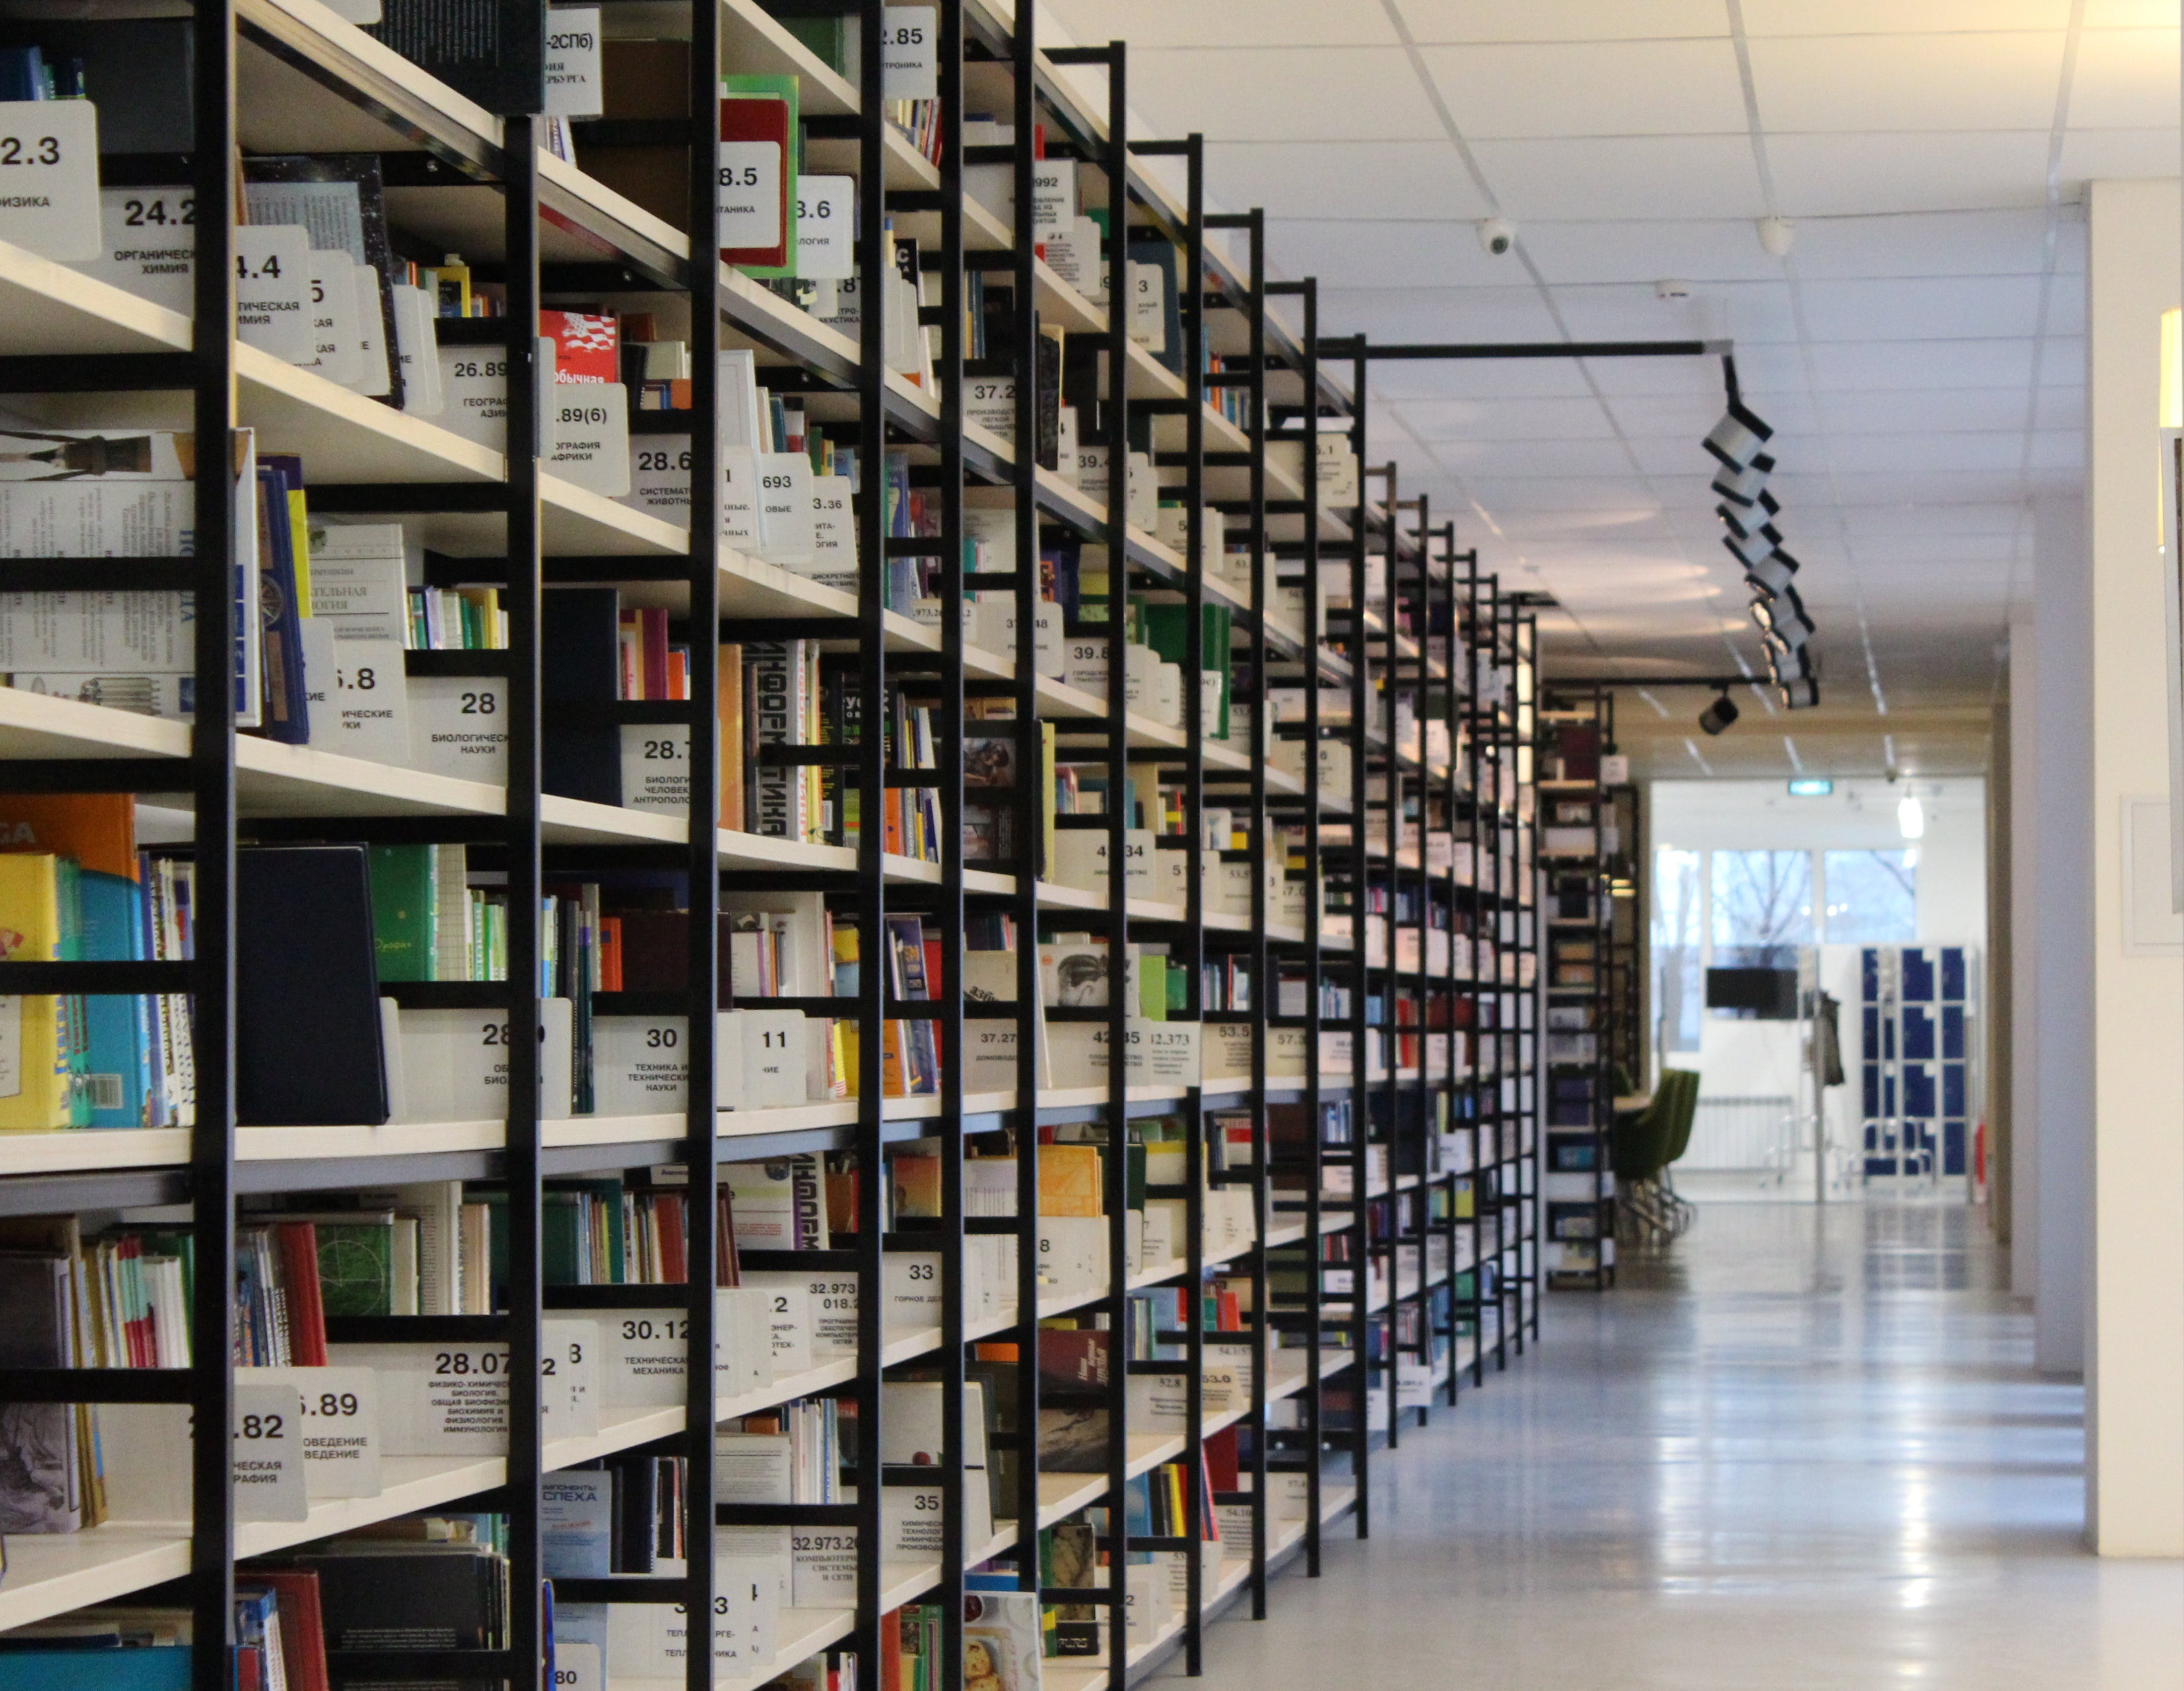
{"x": 1768, "y": 995}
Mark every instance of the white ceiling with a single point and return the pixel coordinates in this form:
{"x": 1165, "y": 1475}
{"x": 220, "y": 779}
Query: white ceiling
{"x": 1920, "y": 350}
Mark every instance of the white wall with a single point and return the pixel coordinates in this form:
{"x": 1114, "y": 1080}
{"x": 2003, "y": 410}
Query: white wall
{"x": 2135, "y": 1354}
{"x": 2025, "y": 956}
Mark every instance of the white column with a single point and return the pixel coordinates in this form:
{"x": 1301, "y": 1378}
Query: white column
{"x": 2023, "y": 1079}
{"x": 2134, "y": 1349}
{"x": 2059, "y": 1028}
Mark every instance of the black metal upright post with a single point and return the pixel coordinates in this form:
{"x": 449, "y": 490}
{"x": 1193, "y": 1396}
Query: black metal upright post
{"x": 875, "y": 268}
{"x": 701, "y": 1153}
{"x": 212, "y": 780}
{"x": 525, "y": 1330}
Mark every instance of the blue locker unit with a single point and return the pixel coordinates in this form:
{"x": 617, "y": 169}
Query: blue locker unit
{"x": 1916, "y": 1019}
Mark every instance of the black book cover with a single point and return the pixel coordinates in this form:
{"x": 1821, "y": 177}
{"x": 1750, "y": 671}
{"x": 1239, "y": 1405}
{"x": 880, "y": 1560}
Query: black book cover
{"x": 414, "y": 1598}
{"x": 580, "y": 662}
{"x": 341, "y": 198}
{"x": 637, "y": 1507}
{"x": 307, "y": 1040}
{"x": 491, "y": 50}
{"x": 135, "y": 70}
{"x": 1049, "y": 351}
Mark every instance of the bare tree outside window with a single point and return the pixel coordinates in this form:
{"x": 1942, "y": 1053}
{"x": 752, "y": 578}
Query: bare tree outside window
{"x": 1677, "y": 932}
{"x": 1763, "y": 909}
{"x": 1872, "y": 898}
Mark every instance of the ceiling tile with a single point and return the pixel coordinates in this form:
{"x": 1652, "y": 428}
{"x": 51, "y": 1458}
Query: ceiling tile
{"x": 2063, "y": 362}
{"x": 1932, "y": 411}
{"x": 2126, "y": 79}
{"x": 1526, "y": 20}
{"x": 1149, "y": 24}
{"x": 1532, "y": 420}
{"x": 2092, "y": 155}
{"x": 1500, "y": 378}
{"x": 1859, "y": 453}
{"x": 1693, "y": 251}
{"x": 1908, "y": 82}
{"x": 1648, "y": 176}
{"x": 1255, "y": 93}
{"x": 1741, "y": 311}
{"x": 1359, "y": 253}
{"x": 1946, "y": 243}
{"x": 1893, "y": 17}
{"x": 1870, "y": 365}
{"x": 1851, "y": 176}
{"x": 2061, "y": 407}
{"x": 1571, "y": 460}
{"x": 1927, "y": 308}
{"x": 1318, "y": 179}
{"x": 1618, "y": 88}
{"x": 1437, "y": 314}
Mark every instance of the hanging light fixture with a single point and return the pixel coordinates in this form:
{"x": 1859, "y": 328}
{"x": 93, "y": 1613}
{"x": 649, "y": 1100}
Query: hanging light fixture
{"x": 1718, "y": 716}
{"x": 1911, "y": 816}
{"x": 1781, "y": 617}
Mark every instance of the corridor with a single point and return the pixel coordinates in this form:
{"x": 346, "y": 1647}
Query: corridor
{"x": 1805, "y": 1450}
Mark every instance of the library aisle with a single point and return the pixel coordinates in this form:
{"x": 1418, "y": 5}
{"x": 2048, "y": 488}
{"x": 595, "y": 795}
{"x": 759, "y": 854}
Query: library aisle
{"x": 1809, "y": 1450}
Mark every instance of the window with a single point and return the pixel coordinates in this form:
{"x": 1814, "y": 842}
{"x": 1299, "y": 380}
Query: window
{"x": 1677, "y": 931}
{"x": 1872, "y": 898}
{"x": 1763, "y": 909}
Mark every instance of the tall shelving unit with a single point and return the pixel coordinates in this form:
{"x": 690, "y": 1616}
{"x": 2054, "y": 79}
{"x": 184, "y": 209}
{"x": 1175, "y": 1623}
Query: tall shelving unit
{"x": 1580, "y": 844}
{"x": 1367, "y": 1089}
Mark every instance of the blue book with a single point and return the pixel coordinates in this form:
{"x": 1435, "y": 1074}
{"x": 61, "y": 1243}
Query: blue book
{"x": 158, "y": 1668}
{"x": 576, "y": 1523}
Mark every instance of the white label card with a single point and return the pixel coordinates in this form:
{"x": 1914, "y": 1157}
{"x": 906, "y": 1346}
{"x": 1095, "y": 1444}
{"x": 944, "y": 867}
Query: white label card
{"x": 751, "y": 193}
{"x": 458, "y": 726}
{"x": 336, "y": 349}
{"x": 49, "y": 177}
{"x": 833, "y": 533}
{"x": 588, "y": 426}
{"x": 150, "y": 244}
{"x": 575, "y": 86}
{"x": 826, "y": 227}
{"x": 371, "y": 332}
{"x": 910, "y": 37}
{"x": 268, "y": 1454}
{"x": 990, "y": 402}
{"x": 739, "y": 518}
{"x": 338, "y": 1411}
{"x": 474, "y": 394}
{"x": 359, "y": 694}
{"x": 659, "y": 477}
{"x": 785, "y": 495}
{"x": 272, "y": 289}
{"x": 655, "y": 768}
{"x": 416, "y": 344}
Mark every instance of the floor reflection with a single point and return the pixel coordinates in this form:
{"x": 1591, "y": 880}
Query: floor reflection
{"x": 1804, "y": 1448}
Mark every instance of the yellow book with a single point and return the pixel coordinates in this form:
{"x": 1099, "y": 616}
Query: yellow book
{"x": 1069, "y": 1180}
{"x": 34, "y": 1060}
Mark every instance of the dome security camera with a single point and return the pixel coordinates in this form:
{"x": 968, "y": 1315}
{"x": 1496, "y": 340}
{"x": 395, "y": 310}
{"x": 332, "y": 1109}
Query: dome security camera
{"x": 1497, "y": 234}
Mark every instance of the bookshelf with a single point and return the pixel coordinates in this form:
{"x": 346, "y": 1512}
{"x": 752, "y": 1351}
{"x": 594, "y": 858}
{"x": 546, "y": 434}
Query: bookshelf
{"x": 1339, "y": 1087}
{"x": 1580, "y": 847}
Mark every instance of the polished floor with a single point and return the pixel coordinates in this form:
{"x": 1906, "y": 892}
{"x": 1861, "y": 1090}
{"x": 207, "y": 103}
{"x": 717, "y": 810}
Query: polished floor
{"x": 1806, "y": 1450}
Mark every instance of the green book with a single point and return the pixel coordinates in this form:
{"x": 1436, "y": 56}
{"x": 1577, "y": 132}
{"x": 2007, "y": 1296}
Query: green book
{"x": 1165, "y": 633}
{"x": 356, "y": 1265}
{"x": 405, "y": 911}
{"x": 560, "y": 1220}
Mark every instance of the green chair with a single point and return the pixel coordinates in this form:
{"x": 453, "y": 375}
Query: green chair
{"x": 1640, "y": 1146}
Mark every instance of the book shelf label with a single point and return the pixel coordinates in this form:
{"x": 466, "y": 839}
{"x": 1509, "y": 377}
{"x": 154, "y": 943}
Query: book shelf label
{"x": 588, "y": 430}
{"x": 359, "y": 692}
{"x": 337, "y": 343}
{"x": 647, "y": 1351}
{"x": 832, "y": 1300}
{"x": 452, "y": 1399}
{"x": 655, "y": 766}
{"x": 912, "y": 58}
{"x": 751, "y": 194}
{"x": 575, "y": 83}
{"x": 458, "y": 726}
{"x": 272, "y": 288}
{"x": 576, "y": 1667}
{"x": 269, "y": 1454}
{"x": 826, "y": 227}
{"x": 51, "y": 203}
{"x": 338, "y": 1413}
{"x": 150, "y": 244}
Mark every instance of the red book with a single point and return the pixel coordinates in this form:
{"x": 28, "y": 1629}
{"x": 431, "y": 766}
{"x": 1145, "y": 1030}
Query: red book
{"x": 302, "y": 1626}
{"x": 610, "y": 954}
{"x": 587, "y": 347}
{"x": 307, "y": 1309}
{"x": 1221, "y": 1467}
{"x": 755, "y": 180}
{"x": 652, "y": 647}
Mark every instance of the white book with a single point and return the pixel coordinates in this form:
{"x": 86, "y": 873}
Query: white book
{"x": 80, "y": 493}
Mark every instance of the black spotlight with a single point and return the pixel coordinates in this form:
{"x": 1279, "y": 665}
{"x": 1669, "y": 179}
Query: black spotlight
{"x": 1718, "y": 716}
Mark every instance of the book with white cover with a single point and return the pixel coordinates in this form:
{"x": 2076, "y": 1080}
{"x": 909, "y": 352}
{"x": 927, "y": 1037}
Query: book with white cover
{"x": 129, "y": 494}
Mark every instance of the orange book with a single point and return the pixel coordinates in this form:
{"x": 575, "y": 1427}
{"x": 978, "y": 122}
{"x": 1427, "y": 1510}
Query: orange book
{"x": 729, "y": 690}
{"x": 610, "y": 954}
{"x": 1069, "y": 1180}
